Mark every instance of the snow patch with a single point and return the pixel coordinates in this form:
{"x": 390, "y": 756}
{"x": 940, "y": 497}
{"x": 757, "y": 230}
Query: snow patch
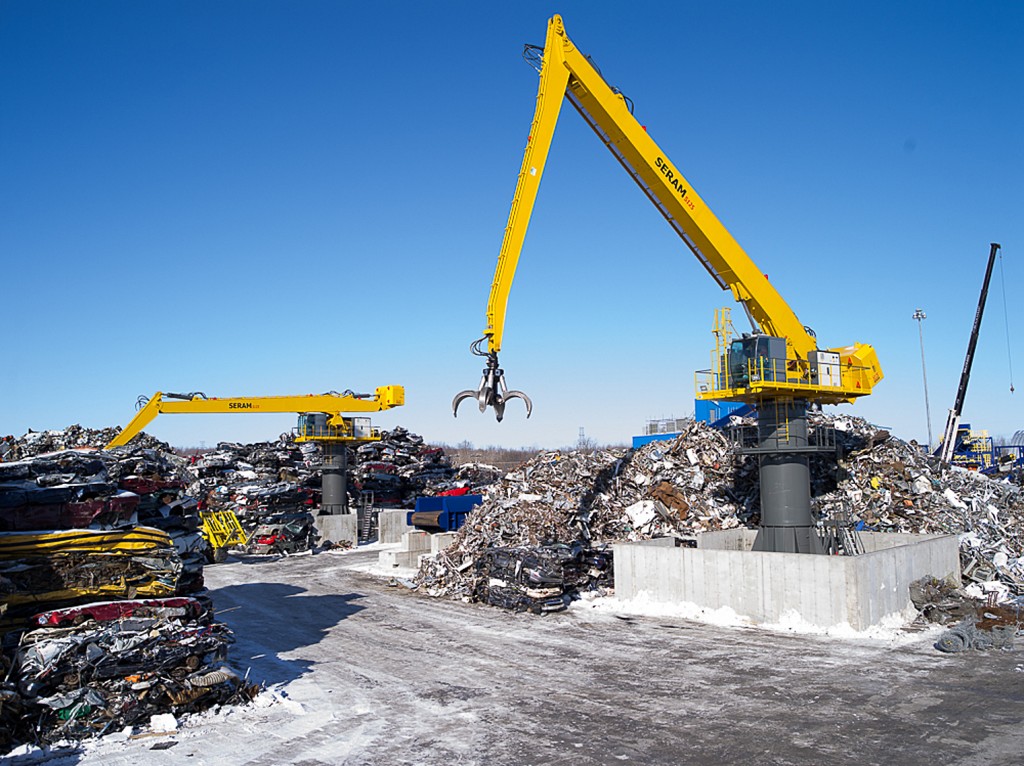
{"x": 644, "y": 605}
{"x": 889, "y": 629}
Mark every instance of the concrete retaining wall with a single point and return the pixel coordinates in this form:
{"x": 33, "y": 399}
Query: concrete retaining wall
{"x": 739, "y": 539}
{"x": 824, "y": 591}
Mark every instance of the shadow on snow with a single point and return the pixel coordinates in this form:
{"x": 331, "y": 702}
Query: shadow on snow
{"x": 273, "y": 619}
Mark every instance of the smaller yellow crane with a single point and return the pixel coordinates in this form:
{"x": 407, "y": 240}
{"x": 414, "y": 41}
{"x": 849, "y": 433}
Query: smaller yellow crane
{"x": 334, "y": 427}
{"x": 320, "y": 420}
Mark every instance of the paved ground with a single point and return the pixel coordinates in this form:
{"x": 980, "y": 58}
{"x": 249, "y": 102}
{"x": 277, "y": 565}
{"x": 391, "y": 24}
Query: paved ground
{"x": 372, "y": 674}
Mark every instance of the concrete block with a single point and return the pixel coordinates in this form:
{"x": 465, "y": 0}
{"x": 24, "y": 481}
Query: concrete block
{"x": 392, "y": 526}
{"x": 338, "y": 528}
{"x": 738, "y": 539}
{"x": 440, "y": 540}
{"x": 416, "y": 541}
{"x": 394, "y": 559}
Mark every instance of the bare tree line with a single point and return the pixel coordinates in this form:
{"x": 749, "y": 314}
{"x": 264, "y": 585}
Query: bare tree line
{"x": 508, "y": 457}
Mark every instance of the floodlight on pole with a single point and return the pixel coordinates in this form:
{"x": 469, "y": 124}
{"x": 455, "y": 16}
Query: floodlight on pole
{"x": 920, "y": 316}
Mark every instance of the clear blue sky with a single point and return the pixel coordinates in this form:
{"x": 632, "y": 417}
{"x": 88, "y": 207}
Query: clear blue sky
{"x": 250, "y": 198}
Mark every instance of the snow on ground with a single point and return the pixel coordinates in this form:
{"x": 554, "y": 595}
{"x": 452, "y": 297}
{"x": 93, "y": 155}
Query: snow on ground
{"x": 892, "y": 631}
{"x": 362, "y": 672}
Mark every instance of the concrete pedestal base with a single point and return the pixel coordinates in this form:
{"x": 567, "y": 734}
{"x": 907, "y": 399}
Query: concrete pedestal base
{"x": 822, "y": 591}
{"x": 338, "y": 528}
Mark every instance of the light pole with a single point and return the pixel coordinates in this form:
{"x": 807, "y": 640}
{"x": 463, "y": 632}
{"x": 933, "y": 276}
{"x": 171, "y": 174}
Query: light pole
{"x": 919, "y": 315}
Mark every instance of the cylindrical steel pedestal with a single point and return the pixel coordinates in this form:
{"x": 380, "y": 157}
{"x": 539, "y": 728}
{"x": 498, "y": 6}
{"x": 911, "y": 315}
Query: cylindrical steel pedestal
{"x": 335, "y": 490}
{"x": 787, "y": 524}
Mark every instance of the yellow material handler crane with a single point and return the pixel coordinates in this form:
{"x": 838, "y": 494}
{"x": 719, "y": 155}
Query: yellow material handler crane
{"x": 333, "y": 427}
{"x": 778, "y": 366}
{"x": 321, "y": 420}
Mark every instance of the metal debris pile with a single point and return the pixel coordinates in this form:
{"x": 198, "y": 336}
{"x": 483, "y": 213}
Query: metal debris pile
{"x": 263, "y": 484}
{"x": 284, "y": 533}
{"x": 106, "y": 666}
{"x": 976, "y": 623}
{"x": 699, "y": 482}
{"x": 542, "y": 578}
{"x": 675, "y": 488}
{"x": 98, "y": 538}
{"x": 63, "y": 480}
{"x": 399, "y": 468}
{"x": 257, "y": 480}
{"x": 73, "y": 437}
{"x": 278, "y": 484}
{"x": 885, "y": 484}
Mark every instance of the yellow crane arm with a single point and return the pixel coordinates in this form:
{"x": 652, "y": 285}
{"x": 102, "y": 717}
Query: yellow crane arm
{"x": 567, "y": 73}
{"x": 384, "y": 398}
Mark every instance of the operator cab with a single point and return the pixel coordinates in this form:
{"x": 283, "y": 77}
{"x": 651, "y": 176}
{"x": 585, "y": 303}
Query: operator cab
{"x": 756, "y": 357}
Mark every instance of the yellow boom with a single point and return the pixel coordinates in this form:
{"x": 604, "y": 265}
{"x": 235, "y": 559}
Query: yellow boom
{"x": 567, "y": 73}
{"x": 332, "y": 404}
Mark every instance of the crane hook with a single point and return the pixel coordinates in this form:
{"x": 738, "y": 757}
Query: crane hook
{"x": 492, "y": 390}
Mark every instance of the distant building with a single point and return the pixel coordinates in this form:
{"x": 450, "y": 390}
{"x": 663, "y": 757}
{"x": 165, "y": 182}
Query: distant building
{"x": 669, "y": 428}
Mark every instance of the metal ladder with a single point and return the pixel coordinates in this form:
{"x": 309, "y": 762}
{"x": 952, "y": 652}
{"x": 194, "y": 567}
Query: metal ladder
{"x": 841, "y": 536}
{"x": 367, "y": 517}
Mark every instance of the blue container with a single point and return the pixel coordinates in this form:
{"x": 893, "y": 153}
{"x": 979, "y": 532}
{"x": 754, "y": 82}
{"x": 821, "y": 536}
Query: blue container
{"x": 446, "y": 514}
{"x": 639, "y": 441}
{"x": 712, "y": 411}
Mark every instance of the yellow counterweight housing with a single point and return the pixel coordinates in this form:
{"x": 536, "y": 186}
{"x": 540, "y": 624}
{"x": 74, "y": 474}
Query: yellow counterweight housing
{"x": 853, "y": 374}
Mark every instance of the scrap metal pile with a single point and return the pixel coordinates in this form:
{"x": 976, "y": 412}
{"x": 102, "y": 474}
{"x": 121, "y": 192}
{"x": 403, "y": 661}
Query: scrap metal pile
{"x": 105, "y": 666}
{"x": 677, "y": 488}
{"x": 699, "y": 482}
{"x": 262, "y": 483}
{"x": 62, "y": 479}
{"x": 976, "y": 623}
{"x": 890, "y": 485}
{"x": 256, "y": 480}
{"x": 274, "y": 487}
{"x": 401, "y": 467}
{"x": 102, "y": 541}
{"x": 83, "y": 487}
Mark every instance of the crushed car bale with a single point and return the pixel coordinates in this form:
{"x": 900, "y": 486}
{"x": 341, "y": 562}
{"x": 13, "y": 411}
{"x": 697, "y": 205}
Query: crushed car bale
{"x": 72, "y": 566}
{"x": 79, "y": 524}
{"x": 540, "y": 579}
{"x": 58, "y": 480}
{"x": 273, "y": 483}
{"x": 105, "y": 666}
